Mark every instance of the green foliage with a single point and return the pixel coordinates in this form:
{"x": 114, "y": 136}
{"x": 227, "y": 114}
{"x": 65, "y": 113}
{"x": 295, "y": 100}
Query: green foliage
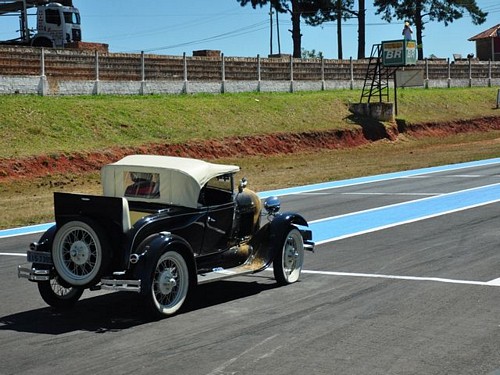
{"x": 306, "y": 54}
{"x": 297, "y": 9}
{"x": 445, "y": 11}
{"x": 329, "y": 10}
{"x": 415, "y": 11}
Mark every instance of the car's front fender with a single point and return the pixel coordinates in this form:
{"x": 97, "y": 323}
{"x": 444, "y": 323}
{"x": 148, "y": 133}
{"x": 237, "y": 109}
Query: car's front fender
{"x": 269, "y": 239}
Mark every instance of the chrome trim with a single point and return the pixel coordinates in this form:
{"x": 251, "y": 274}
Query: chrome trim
{"x": 309, "y": 246}
{"x": 33, "y": 274}
{"x": 121, "y": 285}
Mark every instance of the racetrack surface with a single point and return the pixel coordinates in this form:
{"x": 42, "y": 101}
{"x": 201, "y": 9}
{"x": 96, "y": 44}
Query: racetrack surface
{"x": 405, "y": 280}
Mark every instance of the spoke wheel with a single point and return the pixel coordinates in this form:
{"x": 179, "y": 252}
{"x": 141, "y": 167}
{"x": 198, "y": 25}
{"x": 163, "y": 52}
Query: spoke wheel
{"x": 287, "y": 264}
{"x": 169, "y": 284}
{"x": 78, "y": 253}
{"x": 57, "y": 295}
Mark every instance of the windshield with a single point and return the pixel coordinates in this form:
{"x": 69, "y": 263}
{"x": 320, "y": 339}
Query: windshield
{"x": 72, "y": 17}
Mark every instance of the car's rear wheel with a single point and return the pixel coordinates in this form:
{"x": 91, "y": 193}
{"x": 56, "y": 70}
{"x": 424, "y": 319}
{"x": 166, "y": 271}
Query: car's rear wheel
{"x": 80, "y": 252}
{"x": 57, "y": 295}
{"x": 166, "y": 286}
{"x": 288, "y": 261}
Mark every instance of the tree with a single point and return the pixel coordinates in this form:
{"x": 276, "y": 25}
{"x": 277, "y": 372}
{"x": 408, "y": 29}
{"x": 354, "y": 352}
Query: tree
{"x": 415, "y": 11}
{"x": 296, "y": 8}
{"x": 306, "y": 54}
{"x": 339, "y": 10}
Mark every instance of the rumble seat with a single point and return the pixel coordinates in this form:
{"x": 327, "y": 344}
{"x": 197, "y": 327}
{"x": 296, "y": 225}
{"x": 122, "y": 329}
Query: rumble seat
{"x": 136, "y": 210}
{"x": 137, "y": 215}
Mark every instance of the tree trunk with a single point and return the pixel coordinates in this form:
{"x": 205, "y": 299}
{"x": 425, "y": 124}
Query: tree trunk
{"x": 419, "y": 28}
{"x": 361, "y": 29}
{"x": 296, "y": 35}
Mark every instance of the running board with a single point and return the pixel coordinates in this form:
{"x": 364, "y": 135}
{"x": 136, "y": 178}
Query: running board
{"x": 221, "y": 273}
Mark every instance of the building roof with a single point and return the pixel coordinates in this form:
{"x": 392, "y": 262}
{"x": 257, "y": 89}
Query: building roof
{"x": 490, "y": 33}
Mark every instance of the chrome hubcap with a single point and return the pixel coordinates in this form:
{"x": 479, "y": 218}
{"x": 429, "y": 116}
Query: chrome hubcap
{"x": 291, "y": 254}
{"x": 79, "y": 252}
{"x": 167, "y": 282}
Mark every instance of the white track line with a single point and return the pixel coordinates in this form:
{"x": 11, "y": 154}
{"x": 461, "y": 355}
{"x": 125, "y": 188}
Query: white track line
{"x": 495, "y": 282}
{"x": 14, "y": 254}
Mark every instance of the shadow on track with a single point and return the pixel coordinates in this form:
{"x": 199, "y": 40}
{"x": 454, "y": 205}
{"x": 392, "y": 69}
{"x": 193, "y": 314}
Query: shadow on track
{"x": 122, "y": 310}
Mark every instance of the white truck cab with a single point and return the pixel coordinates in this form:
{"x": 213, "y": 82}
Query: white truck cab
{"x": 57, "y": 25}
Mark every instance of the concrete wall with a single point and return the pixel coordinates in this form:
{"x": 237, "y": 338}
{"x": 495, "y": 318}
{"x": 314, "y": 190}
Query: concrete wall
{"x": 27, "y": 70}
{"x": 42, "y": 86}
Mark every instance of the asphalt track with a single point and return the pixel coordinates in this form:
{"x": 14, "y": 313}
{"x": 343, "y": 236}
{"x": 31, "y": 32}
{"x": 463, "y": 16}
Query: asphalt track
{"x": 405, "y": 280}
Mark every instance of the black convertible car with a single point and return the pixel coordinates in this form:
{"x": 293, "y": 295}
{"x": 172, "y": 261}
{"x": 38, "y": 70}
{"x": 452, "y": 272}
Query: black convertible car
{"x": 163, "y": 225}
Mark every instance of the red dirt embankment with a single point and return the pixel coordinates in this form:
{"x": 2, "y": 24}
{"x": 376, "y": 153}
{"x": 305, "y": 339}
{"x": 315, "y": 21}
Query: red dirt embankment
{"x": 269, "y": 144}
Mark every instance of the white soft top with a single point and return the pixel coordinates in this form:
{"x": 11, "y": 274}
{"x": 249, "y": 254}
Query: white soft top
{"x": 180, "y": 179}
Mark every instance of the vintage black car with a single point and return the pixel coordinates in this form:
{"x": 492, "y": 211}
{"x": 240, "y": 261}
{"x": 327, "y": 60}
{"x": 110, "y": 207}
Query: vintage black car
{"x": 163, "y": 225}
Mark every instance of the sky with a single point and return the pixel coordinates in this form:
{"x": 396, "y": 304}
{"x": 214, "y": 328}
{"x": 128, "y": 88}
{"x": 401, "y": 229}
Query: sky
{"x": 173, "y": 27}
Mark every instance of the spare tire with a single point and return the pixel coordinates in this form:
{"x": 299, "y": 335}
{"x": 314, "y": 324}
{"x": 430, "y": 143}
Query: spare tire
{"x": 80, "y": 252}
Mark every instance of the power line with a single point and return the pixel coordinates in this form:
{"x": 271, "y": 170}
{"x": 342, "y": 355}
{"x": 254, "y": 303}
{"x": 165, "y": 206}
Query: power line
{"x": 230, "y": 34}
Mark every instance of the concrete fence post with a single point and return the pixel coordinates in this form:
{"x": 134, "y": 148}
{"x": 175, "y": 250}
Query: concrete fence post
{"x": 323, "y": 84}
{"x": 291, "y": 74}
{"x": 43, "y": 84}
{"x": 258, "y": 74}
{"x": 185, "y": 86}
{"x": 351, "y": 64}
{"x": 223, "y": 74}
{"x": 143, "y": 75}
{"x": 96, "y": 90}
{"x": 42, "y": 62}
{"x": 449, "y": 73}
{"x": 426, "y": 73}
{"x": 470, "y": 72}
{"x": 489, "y": 73}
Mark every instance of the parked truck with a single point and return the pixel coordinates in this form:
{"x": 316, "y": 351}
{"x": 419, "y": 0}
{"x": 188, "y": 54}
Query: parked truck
{"x": 57, "y": 24}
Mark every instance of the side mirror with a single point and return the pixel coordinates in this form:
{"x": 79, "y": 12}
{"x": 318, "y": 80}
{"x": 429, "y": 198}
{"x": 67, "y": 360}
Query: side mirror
{"x": 272, "y": 205}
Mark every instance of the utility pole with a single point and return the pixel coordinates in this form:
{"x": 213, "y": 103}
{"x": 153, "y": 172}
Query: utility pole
{"x": 25, "y": 34}
{"x": 278, "y": 32}
{"x": 271, "y": 28}
{"x": 339, "y": 28}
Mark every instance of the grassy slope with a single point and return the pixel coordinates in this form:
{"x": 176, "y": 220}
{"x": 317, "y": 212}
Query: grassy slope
{"x": 32, "y": 125}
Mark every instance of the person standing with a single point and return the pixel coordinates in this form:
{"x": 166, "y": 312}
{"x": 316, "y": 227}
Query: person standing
{"x": 407, "y": 31}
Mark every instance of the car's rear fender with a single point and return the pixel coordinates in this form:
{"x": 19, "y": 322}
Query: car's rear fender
{"x": 44, "y": 244}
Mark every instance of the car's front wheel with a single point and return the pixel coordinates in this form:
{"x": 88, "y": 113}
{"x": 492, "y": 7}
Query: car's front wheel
{"x": 166, "y": 286}
{"x": 288, "y": 260}
{"x": 57, "y": 295}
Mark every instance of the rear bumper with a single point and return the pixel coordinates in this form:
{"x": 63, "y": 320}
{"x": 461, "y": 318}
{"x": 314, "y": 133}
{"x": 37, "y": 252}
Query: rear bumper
{"x": 33, "y": 274}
